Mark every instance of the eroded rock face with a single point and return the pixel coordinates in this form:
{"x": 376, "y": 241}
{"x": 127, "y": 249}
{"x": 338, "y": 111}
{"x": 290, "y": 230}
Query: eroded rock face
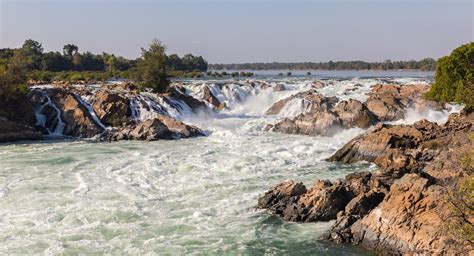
{"x": 112, "y": 108}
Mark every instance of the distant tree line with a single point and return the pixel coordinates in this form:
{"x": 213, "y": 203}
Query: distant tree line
{"x": 70, "y": 59}
{"x": 151, "y": 70}
{"x": 427, "y": 64}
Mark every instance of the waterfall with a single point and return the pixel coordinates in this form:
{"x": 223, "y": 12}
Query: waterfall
{"x": 41, "y": 118}
{"x": 91, "y": 111}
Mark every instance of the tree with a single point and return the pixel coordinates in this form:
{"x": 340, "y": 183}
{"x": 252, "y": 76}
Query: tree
{"x": 12, "y": 80}
{"x": 70, "y": 50}
{"x": 453, "y": 76}
{"x": 34, "y": 50}
{"x": 151, "y": 70}
{"x": 54, "y": 61}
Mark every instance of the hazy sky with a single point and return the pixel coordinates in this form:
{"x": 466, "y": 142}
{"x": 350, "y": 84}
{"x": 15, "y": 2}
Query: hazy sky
{"x": 226, "y": 31}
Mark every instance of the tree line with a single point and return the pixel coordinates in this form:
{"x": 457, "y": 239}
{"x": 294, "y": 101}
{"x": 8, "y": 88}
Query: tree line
{"x": 427, "y": 64}
{"x": 151, "y": 70}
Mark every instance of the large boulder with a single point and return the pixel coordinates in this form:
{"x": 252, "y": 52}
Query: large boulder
{"x": 179, "y": 93}
{"x": 406, "y": 221}
{"x": 354, "y": 113}
{"x": 310, "y": 101}
{"x": 389, "y": 102}
{"x": 112, "y": 108}
{"x": 316, "y": 123}
{"x": 159, "y": 128}
{"x": 324, "y": 118}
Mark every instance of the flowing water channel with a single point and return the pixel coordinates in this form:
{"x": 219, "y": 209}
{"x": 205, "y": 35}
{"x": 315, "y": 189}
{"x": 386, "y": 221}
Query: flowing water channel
{"x": 185, "y": 197}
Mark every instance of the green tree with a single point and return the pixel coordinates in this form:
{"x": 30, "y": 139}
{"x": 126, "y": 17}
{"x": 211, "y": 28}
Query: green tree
{"x": 70, "y": 49}
{"x": 151, "y": 70}
{"x": 454, "y": 76}
{"x": 34, "y": 50}
{"x": 13, "y": 78}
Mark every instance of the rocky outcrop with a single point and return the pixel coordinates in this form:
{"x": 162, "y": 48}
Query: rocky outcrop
{"x": 77, "y": 119}
{"x": 111, "y": 107}
{"x": 311, "y": 101}
{"x": 178, "y": 93}
{"x": 389, "y": 102}
{"x": 316, "y": 123}
{"x": 160, "y": 128}
{"x": 354, "y": 113}
{"x": 399, "y": 209}
{"x": 324, "y": 116}
{"x": 210, "y": 98}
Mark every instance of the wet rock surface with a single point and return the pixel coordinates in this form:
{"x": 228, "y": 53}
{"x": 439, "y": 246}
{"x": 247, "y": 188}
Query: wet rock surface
{"x": 324, "y": 116}
{"x": 327, "y": 115}
{"x": 398, "y": 209}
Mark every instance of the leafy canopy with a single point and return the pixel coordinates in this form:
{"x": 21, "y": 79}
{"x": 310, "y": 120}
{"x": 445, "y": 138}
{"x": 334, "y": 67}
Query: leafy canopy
{"x": 454, "y": 77}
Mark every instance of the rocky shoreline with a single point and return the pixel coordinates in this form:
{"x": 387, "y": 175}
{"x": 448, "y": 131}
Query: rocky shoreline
{"x": 399, "y": 209}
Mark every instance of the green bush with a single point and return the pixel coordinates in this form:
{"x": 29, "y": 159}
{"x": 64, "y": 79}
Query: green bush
{"x": 454, "y": 77}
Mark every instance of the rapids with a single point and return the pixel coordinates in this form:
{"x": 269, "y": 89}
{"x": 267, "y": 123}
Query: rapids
{"x": 192, "y": 196}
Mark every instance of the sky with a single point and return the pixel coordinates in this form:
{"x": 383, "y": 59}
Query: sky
{"x": 237, "y": 31}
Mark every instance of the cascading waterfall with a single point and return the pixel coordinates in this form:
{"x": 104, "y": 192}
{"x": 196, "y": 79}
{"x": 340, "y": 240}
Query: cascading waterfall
{"x": 41, "y": 118}
{"x": 91, "y": 112}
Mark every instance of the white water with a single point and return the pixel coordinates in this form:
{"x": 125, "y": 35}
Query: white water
{"x": 41, "y": 118}
{"x": 185, "y": 197}
{"x": 91, "y": 112}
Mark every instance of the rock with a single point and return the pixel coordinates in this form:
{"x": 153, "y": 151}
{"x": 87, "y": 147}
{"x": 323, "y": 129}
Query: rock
{"x": 354, "y": 113}
{"x": 12, "y": 131}
{"x": 79, "y": 122}
{"x": 401, "y": 208}
{"x": 209, "y": 97}
{"x": 311, "y": 101}
{"x": 178, "y": 93}
{"x": 160, "y": 128}
{"x": 111, "y": 108}
{"x": 405, "y": 221}
{"x": 317, "y": 123}
{"x": 279, "y": 88}
{"x": 376, "y": 141}
{"x": 318, "y": 84}
{"x": 390, "y": 102}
